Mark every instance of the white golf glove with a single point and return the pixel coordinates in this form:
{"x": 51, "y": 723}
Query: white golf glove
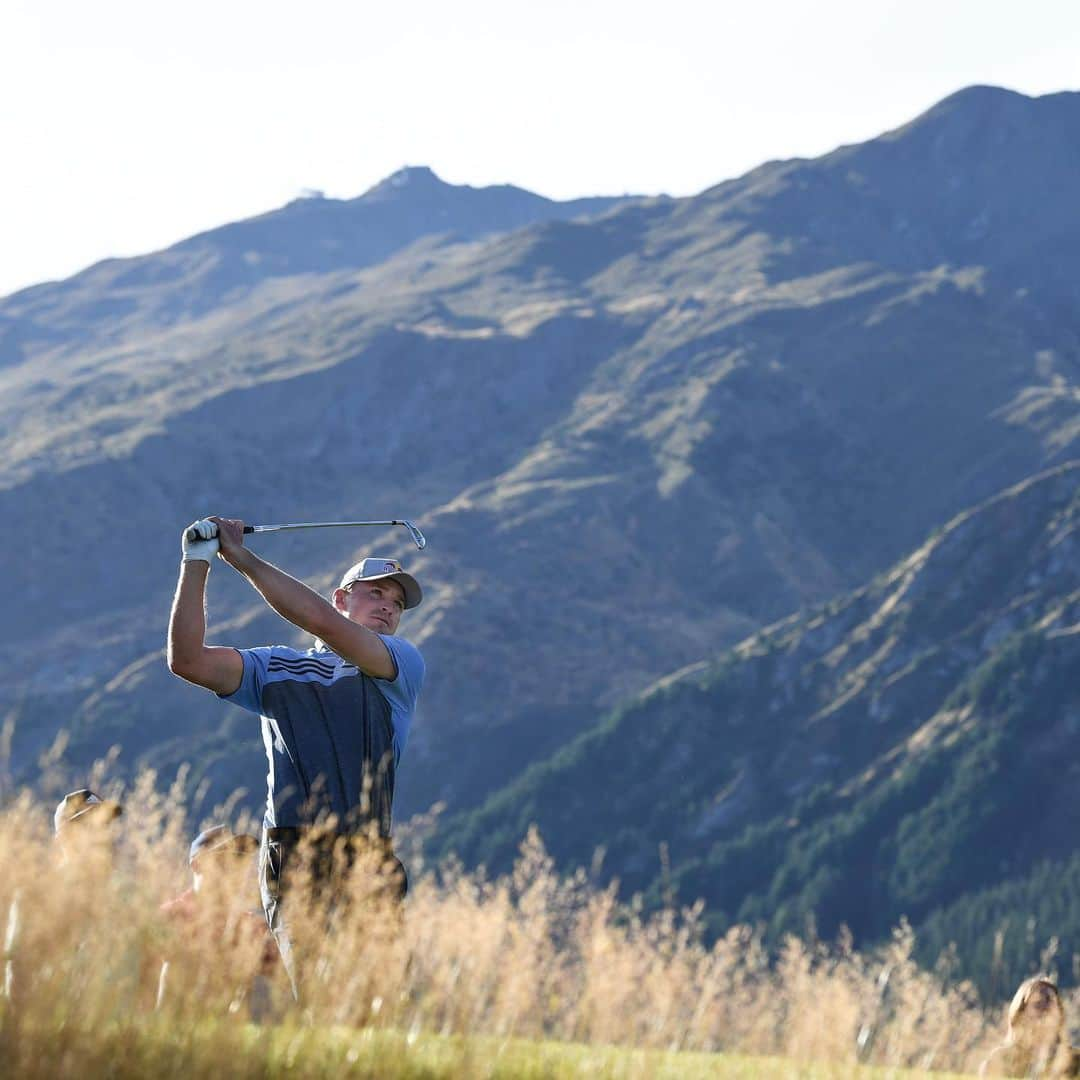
{"x": 206, "y": 546}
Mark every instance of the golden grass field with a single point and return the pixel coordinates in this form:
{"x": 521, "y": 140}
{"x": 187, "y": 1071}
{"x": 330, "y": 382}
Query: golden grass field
{"x": 530, "y": 975}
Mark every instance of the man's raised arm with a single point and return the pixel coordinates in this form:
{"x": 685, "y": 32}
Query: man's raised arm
{"x": 218, "y": 669}
{"x": 304, "y": 607}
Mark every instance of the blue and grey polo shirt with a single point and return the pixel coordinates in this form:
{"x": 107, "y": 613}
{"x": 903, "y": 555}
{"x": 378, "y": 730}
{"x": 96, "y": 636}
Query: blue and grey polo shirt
{"x": 333, "y": 735}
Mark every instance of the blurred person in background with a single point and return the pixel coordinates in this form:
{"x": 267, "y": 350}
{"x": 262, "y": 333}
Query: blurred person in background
{"x": 218, "y": 859}
{"x": 98, "y": 874}
{"x": 1037, "y": 1039}
{"x": 219, "y": 916}
{"x": 83, "y": 825}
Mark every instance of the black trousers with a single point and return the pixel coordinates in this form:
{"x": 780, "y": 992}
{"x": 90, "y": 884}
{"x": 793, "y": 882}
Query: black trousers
{"x": 324, "y": 861}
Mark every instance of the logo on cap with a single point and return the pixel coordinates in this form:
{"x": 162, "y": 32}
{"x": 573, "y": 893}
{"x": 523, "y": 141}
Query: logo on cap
{"x": 380, "y": 567}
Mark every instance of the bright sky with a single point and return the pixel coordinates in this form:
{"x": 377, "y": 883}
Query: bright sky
{"x": 127, "y": 125}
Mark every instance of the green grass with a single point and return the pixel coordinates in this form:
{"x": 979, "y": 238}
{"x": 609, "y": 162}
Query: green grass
{"x": 246, "y": 1050}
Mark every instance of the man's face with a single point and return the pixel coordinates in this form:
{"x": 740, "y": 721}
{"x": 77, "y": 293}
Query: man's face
{"x": 375, "y": 604}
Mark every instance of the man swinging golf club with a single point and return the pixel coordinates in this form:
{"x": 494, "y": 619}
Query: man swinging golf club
{"x": 335, "y": 719}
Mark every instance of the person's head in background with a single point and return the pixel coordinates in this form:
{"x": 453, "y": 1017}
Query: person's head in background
{"x": 84, "y": 825}
{"x": 1036, "y": 1014}
{"x": 220, "y": 856}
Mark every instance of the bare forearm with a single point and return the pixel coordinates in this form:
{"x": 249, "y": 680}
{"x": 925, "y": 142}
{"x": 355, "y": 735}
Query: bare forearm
{"x": 291, "y": 599}
{"x": 218, "y": 669}
{"x": 187, "y": 620}
{"x": 304, "y": 607}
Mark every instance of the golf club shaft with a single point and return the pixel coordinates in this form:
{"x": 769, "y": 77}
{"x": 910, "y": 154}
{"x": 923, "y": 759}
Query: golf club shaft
{"x": 414, "y": 532}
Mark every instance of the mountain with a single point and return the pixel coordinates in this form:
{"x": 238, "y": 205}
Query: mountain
{"x": 632, "y": 438}
{"x": 314, "y": 235}
{"x": 907, "y": 750}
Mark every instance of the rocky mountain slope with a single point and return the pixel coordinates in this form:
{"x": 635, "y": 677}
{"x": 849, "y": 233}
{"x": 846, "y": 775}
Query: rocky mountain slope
{"x": 907, "y": 750}
{"x": 632, "y": 438}
{"x": 125, "y": 298}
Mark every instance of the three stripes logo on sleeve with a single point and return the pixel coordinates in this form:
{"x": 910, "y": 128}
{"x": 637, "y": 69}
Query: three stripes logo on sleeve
{"x": 301, "y": 666}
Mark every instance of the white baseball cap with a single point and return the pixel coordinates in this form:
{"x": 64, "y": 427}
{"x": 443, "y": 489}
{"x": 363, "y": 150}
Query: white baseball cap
{"x": 373, "y": 569}
{"x": 220, "y": 838}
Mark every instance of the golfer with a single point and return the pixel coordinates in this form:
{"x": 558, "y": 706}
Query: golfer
{"x": 335, "y": 719}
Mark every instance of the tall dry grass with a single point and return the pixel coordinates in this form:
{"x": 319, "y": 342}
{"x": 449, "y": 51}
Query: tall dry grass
{"x": 91, "y": 963}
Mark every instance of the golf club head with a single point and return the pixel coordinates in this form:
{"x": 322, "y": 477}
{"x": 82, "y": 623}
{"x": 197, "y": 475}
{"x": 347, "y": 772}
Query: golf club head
{"x": 416, "y": 534}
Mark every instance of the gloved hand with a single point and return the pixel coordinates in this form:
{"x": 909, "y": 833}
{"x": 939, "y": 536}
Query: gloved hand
{"x": 206, "y": 547}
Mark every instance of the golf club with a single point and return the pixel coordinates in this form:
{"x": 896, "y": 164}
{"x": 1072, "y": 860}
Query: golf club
{"x": 414, "y": 532}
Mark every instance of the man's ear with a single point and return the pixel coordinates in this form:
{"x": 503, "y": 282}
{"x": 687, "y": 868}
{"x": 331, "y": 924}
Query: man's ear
{"x": 339, "y": 599}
